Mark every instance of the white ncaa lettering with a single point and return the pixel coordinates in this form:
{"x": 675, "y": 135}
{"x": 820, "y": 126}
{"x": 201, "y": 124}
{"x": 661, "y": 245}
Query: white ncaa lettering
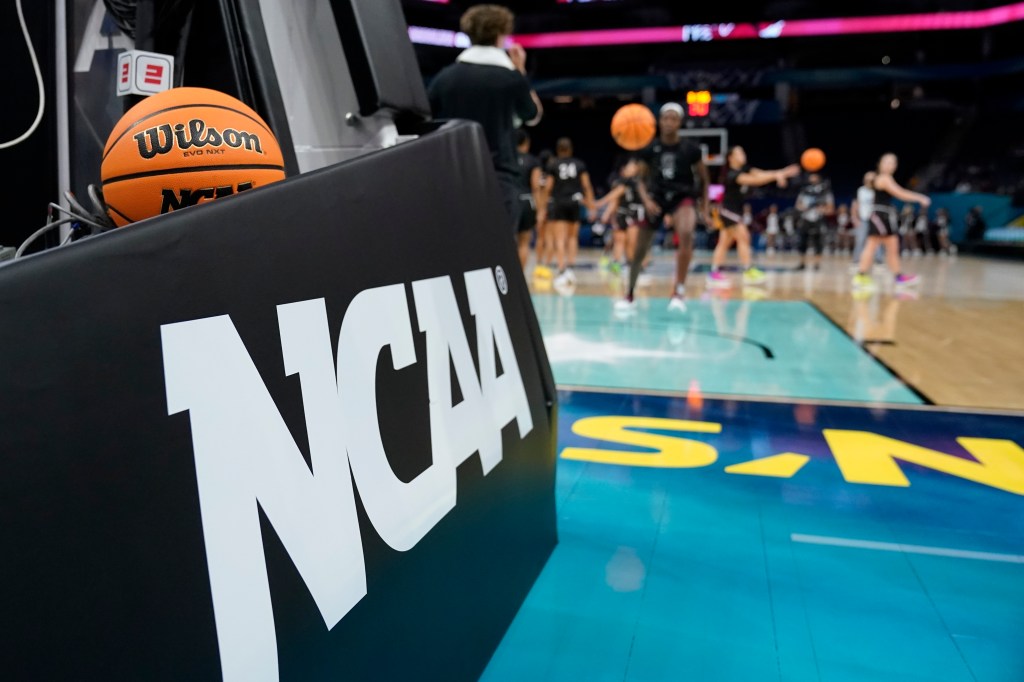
{"x": 246, "y": 458}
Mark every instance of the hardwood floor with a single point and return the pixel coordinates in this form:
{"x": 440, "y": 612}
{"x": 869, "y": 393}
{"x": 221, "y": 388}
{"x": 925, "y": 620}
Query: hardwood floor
{"x": 958, "y": 338}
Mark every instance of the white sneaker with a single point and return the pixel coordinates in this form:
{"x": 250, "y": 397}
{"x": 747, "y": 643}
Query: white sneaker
{"x": 677, "y": 305}
{"x": 625, "y": 306}
{"x": 570, "y": 274}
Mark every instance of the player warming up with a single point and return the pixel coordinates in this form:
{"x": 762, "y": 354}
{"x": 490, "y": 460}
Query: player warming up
{"x": 883, "y": 226}
{"x": 569, "y": 186}
{"x": 739, "y": 178}
{"x": 678, "y": 186}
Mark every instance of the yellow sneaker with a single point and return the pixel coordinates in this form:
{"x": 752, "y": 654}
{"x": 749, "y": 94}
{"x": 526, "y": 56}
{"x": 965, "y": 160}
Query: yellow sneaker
{"x": 864, "y": 283}
{"x": 754, "y": 276}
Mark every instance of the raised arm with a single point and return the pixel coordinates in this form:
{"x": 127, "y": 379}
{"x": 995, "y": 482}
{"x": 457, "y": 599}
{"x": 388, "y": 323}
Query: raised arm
{"x": 755, "y": 177}
{"x": 518, "y": 56}
{"x": 886, "y": 183}
{"x": 611, "y": 209}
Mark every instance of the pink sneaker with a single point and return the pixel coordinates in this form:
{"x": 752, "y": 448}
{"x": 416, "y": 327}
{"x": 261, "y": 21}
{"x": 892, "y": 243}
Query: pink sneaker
{"x": 716, "y": 280}
{"x": 907, "y": 280}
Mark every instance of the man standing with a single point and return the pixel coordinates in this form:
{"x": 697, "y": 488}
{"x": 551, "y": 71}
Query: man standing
{"x": 488, "y": 84}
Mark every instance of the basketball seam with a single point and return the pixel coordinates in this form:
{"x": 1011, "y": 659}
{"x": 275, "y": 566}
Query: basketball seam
{"x": 113, "y": 144}
{"x": 120, "y": 213}
{"x": 192, "y": 169}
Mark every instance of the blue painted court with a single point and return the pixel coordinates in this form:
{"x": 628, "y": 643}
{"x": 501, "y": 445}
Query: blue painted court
{"x": 768, "y": 541}
{"x": 767, "y": 536}
{"x": 780, "y": 349}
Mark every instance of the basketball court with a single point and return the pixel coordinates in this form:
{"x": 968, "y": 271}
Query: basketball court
{"x": 309, "y": 419}
{"x": 715, "y": 520}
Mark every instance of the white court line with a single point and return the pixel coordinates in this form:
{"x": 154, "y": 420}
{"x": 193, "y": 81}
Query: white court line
{"x": 909, "y": 549}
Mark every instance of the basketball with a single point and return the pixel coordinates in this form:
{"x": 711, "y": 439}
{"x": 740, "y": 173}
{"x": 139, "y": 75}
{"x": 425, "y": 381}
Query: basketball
{"x": 634, "y": 127}
{"x": 183, "y": 147}
{"x": 812, "y": 160}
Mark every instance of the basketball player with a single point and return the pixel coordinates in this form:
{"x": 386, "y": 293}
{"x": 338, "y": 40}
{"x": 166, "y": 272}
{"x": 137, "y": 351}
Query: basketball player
{"x": 545, "y": 245}
{"x": 678, "y": 186}
{"x": 624, "y": 210}
{"x": 883, "y": 226}
{"x": 488, "y": 85}
{"x": 739, "y": 178}
{"x": 569, "y": 186}
{"x": 814, "y": 203}
{"x": 530, "y": 195}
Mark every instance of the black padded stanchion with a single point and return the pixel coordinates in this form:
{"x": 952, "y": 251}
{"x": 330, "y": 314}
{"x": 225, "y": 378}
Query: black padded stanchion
{"x": 300, "y": 433}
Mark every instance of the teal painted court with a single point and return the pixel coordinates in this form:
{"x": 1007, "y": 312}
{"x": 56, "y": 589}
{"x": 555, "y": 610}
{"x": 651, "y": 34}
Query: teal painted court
{"x": 714, "y": 573}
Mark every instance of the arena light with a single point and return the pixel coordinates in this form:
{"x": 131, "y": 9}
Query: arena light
{"x": 691, "y": 33}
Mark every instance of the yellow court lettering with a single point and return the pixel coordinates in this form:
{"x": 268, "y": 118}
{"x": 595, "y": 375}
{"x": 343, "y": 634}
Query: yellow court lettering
{"x": 669, "y": 451}
{"x": 869, "y": 458}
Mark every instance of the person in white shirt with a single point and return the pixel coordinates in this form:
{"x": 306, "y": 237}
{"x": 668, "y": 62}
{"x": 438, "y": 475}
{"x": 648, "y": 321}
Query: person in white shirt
{"x": 772, "y": 228}
{"x": 862, "y": 208}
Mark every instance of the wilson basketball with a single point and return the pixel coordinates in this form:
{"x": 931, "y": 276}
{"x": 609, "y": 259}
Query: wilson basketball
{"x": 812, "y": 160}
{"x": 182, "y": 147}
{"x": 634, "y": 126}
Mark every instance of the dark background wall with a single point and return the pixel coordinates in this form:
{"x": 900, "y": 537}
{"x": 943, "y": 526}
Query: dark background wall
{"x": 30, "y": 168}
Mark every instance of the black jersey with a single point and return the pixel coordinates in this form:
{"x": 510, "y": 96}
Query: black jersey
{"x": 493, "y": 96}
{"x": 735, "y": 194}
{"x": 882, "y": 199}
{"x": 566, "y": 177}
{"x": 672, "y": 167}
{"x": 884, "y": 220}
{"x": 814, "y": 198}
{"x": 630, "y": 194}
{"x": 527, "y": 162}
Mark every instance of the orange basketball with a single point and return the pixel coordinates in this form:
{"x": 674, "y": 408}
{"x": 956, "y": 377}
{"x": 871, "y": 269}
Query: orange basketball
{"x": 812, "y": 160}
{"x": 634, "y": 126}
{"x": 182, "y": 147}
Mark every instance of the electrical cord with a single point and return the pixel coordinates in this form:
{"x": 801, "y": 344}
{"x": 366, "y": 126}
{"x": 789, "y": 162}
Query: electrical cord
{"x": 79, "y": 217}
{"x": 39, "y": 82}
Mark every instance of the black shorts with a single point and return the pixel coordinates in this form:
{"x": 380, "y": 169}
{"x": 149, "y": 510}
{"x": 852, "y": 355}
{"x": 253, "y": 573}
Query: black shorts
{"x": 630, "y": 217}
{"x": 527, "y": 216}
{"x": 812, "y": 236}
{"x": 565, "y": 210}
{"x": 883, "y": 223}
{"x": 670, "y": 202}
{"x": 730, "y": 218}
